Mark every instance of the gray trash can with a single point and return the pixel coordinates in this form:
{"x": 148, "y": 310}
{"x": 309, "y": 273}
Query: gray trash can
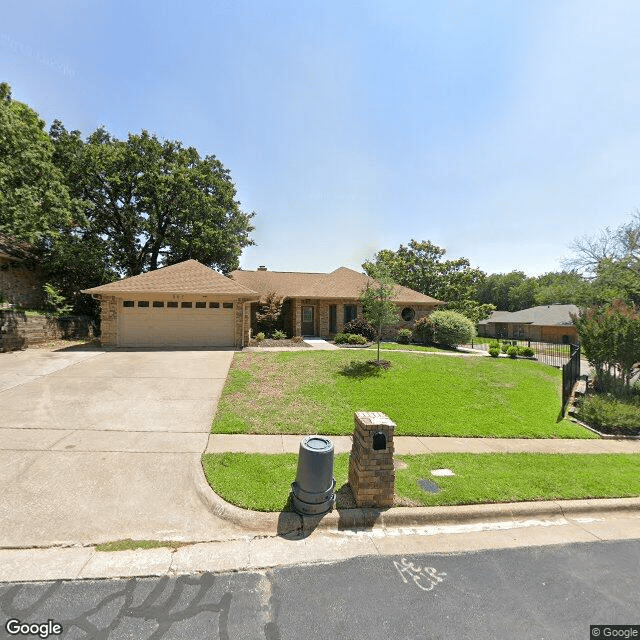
{"x": 314, "y": 487}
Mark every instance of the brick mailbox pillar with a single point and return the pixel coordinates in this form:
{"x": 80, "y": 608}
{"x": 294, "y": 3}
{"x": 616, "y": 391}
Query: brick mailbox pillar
{"x": 371, "y": 473}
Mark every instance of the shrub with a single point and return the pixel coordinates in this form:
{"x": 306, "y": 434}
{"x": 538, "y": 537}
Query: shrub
{"x": 527, "y": 352}
{"x": 260, "y": 337}
{"x": 404, "y": 336}
{"x": 494, "y": 345}
{"x": 361, "y": 327}
{"x": 512, "y": 352}
{"x": 354, "y": 338}
{"x": 452, "y": 328}
{"x": 608, "y": 411}
{"x": 494, "y": 352}
{"x": 423, "y": 330}
{"x": 504, "y": 346}
{"x": 341, "y": 338}
{"x": 278, "y": 335}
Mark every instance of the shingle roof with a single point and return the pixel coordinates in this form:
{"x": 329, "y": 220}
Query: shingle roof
{"x": 341, "y": 283}
{"x": 14, "y": 249}
{"x": 547, "y": 315}
{"x": 185, "y": 277}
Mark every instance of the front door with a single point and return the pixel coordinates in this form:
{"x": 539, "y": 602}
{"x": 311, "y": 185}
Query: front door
{"x": 308, "y": 325}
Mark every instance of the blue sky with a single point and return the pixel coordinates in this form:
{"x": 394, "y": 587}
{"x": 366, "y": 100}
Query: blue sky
{"x": 497, "y": 130}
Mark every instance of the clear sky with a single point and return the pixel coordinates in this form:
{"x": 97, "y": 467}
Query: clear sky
{"x": 497, "y": 130}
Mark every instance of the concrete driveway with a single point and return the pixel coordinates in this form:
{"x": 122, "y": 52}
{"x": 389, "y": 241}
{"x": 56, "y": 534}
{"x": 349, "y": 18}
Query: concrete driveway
{"x": 99, "y": 445}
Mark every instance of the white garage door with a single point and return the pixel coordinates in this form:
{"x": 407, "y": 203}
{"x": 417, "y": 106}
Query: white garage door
{"x": 209, "y": 324}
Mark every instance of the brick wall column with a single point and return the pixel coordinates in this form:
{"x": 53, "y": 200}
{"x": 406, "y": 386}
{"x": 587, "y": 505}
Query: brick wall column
{"x": 371, "y": 472}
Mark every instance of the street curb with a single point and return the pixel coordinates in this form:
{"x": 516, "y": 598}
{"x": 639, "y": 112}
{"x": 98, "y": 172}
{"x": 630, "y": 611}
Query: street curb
{"x": 284, "y": 523}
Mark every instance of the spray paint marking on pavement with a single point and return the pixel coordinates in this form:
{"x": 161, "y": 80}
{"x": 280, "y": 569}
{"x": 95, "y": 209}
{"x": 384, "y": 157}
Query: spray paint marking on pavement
{"x": 425, "y": 578}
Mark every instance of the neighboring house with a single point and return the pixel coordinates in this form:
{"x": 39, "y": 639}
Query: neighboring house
{"x": 19, "y": 285}
{"x": 547, "y": 323}
{"x": 183, "y": 305}
{"x": 320, "y": 304}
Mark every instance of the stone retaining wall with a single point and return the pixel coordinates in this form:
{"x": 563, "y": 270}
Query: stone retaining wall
{"x": 17, "y": 330}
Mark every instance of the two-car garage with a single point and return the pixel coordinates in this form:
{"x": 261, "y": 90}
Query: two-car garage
{"x": 171, "y": 323}
{"x": 182, "y": 305}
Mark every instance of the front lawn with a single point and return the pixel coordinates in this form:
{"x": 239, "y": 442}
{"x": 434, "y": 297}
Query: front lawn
{"x": 395, "y": 346}
{"x": 263, "y": 482}
{"x": 319, "y": 391}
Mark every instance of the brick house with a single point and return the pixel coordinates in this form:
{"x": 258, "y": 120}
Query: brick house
{"x": 320, "y": 304}
{"x": 20, "y": 286}
{"x": 188, "y": 304}
{"x": 547, "y": 323}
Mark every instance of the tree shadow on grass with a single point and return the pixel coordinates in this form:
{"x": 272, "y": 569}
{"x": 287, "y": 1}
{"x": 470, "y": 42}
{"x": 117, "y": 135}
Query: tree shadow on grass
{"x": 360, "y": 370}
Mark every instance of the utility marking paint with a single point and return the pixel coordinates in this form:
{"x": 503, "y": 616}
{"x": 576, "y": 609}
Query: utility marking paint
{"x": 424, "y": 578}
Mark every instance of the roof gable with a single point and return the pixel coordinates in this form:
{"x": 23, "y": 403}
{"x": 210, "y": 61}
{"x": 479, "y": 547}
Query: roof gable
{"x": 341, "y": 283}
{"x": 547, "y": 315}
{"x": 184, "y": 277}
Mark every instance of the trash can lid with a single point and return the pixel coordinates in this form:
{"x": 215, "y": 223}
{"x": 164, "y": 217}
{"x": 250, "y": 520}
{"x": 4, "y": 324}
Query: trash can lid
{"x": 317, "y": 443}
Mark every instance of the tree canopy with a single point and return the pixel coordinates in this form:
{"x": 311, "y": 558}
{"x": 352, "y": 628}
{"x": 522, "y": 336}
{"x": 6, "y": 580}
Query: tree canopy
{"x": 154, "y": 202}
{"x": 34, "y": 201}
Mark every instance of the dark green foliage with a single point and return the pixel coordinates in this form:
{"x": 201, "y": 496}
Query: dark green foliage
{"x": 526, "y": 352}
{"x": 34, "y": 200}
{"x": 512, "y": 352}
{"x": 404, "y": 336}
{"x": 610, "y": 337}
{"x": 611, "y": 412}
{"x": 452, "y": 328}
{"x": 361, "y": 327}
{"x": 341, "y": 338}
{"x": 494, "y": 352}
{"x": 423, "y": 330}
{"x": 278, "y": 335}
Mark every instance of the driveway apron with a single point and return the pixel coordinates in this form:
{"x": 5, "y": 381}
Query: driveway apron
{"x": 100, "y": 445}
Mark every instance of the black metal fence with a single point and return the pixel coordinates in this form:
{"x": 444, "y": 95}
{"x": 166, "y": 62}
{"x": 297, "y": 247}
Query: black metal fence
{"x": 570, "y": 374}
{"x": 556, "y": 354}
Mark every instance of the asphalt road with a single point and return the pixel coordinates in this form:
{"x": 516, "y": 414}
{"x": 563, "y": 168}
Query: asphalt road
{"x": 548, "y": 593}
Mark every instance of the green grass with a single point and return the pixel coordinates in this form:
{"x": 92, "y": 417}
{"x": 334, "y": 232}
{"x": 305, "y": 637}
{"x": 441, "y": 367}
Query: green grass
{"x": 128, "y": 545}
{"x": 393, "y": 346}
{"x": 318, "y": 392}
{"x": 263, "y": 482}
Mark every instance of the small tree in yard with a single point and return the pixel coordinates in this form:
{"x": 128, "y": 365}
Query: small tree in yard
{"x": 377, "y": 303}
{"x": 54, "y": 300}
{"x": 610, "y": 337}
{"x": 269, "y": 314}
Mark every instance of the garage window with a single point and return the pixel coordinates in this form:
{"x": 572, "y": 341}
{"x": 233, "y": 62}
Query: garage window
{"x": 227, "y": 305}
{"x": 143, "y": 303}
{"x": 186, "y": 305}
{"x": 128, "y": 303}
{"x": 201, "y": 305}
{"x": 158, "y": 303}
{"x": 172, "y": 304}
{"x": 214, "y": 305}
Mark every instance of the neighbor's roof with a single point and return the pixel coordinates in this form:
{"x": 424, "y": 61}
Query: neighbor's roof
{"x": 547, "y": 315}
{"x": 341, "y": 283}
{"x": 185, "y": 277}
{"x": 14, "y": 249}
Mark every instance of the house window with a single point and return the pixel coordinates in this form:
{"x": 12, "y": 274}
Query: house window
{"x": 350, "y": 312}
{"x": 172, "y": 304}
{"x": 227, "y": 305}
{"x": 143, "y": 303}
{"x": 186, "y": 305}
{"x": 214, "y": 305}
{"x": 128, "y": 303}
{"x": 333, "y": 318}
{"x": 408, "y": 314}
{"x": 158, "y": 303}
{"x": 201, "y": 305}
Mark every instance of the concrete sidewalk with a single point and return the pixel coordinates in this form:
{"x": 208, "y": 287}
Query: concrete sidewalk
{"x": 407, "y": 445}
